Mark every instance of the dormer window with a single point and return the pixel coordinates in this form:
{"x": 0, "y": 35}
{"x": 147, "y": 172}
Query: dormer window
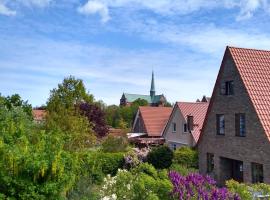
{"x": 227, "y": 88}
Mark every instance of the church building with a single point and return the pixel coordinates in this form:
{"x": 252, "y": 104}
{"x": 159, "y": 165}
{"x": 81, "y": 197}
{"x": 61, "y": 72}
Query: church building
{"x": 154, "y": 100}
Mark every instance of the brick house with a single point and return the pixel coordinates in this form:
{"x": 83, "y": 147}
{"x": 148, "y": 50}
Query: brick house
{"x": 235, "y": 138}
{"x": 184, "y": 125}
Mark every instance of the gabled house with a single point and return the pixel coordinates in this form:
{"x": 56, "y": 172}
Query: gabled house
{"x": 235, "y": 138}
{"x": 149, "y": 124}
{"x": 152, "y": 99}
{"x": 184, "y": 125}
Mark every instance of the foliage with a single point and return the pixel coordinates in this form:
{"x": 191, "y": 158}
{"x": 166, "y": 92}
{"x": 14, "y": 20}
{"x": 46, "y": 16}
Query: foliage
{"x": 131, "y": 160}
{"x": 115, "y": 144}
{"x": 96, "y": 116}
{"x": 183, "y": 170}
{"x": 196, "y": 186}
{"x": 123, "y": 116}
{"x": 16, "y": 101}
{"x": 151, "y": 184}
{"x": 160, "y": 157}
{"x": 100, "y": 163}
{"x": 246, "y": 191}
{"x": 64, "y": 115}
{"x": 186, "y": 156}
{"x": 33, "y": 163}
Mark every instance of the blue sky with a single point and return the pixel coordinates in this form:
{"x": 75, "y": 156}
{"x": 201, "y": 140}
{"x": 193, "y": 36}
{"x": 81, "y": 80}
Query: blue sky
{"x": 113, "y": 45}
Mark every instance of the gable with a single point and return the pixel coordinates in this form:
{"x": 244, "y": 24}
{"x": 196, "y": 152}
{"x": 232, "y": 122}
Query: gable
{"x": 240, "y": 102}
{"x": 155, "y": 119}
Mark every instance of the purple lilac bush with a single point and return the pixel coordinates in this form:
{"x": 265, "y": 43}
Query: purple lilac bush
{"x": 195, "y": 186}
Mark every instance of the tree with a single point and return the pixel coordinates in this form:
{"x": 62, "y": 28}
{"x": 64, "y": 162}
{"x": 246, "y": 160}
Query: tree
{"x": 16, "y": 101}
{"x": 64, "y": 114}
{"x": 160, "y": 157}
{"x": 33, "y": 163}
{"x": 96, "y": 116}
{"x": 117, "y": 116}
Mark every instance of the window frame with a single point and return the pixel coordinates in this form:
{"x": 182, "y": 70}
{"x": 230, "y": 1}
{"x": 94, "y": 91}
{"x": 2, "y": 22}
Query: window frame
{"x": 240, "y": 125}
{"x": 210, "y": 162}
{"x": 218, "y": 124}
{"x": 227, "y": 88}
{"x": 185, "y": 128}
{"x": 256, "y": 178}
{"x": 174, "y": 127}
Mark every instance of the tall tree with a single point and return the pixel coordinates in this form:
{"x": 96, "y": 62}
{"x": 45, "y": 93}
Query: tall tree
{"x": 96, "y": 116}
{"x": 63, "y": 113}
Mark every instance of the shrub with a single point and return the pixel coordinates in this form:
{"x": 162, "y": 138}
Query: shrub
{"x": 186, "y": 156}
{"x": 100, "y": 163}
{"x": 196, "y": 186}
{"x": 115, "y": 144}
{"x": 160, "y": 157}
{"x": 245, "y": 191}
{"x": 140, "y": 183}
{"x": 183, "y": 170}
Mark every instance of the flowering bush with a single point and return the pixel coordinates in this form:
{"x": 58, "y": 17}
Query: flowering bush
{"x": 248, "y": 191}
{"x": 196, "y": 186}
{"x": 141, "y": 183}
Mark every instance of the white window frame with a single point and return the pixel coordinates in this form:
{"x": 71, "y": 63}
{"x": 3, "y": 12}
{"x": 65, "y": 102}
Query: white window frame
{"x": 184, "y": 128}
{"x": 174, "y": 127}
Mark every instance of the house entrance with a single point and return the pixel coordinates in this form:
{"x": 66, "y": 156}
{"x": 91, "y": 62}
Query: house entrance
{"x": 231, "y": 169}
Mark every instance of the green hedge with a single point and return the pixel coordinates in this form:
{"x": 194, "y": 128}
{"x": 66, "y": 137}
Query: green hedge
{"x": 99, "y": 162}
{"x": 186, "y": 156}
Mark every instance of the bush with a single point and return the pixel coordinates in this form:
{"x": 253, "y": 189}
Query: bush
{"x": 143, "y": 182}
{"x": 99, "y": 163}
{"x": 160, "y": 157}
{"x": 115, "y": 144}
{"x": 186, "y": 156}
{"x": 245, "y": 191}
{"x": 182, "y": 170}
{"x": 196, "y": 186}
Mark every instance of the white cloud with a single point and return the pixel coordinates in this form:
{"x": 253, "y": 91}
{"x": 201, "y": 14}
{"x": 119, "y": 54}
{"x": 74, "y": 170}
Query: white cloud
{"x": 246, "y": 8}
{"x": 4, "y": 10}
{"x": 95, "y": 7}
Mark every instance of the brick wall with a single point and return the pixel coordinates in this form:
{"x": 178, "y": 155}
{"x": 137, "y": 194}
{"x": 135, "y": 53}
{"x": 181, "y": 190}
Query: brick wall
{"x": 255, "y": 147}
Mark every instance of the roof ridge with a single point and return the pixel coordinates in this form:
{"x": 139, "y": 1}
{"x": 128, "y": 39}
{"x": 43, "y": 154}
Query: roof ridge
{"x": 244, "y": 48}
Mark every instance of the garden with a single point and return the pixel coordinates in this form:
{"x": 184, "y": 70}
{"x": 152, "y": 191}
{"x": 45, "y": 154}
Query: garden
{"x": 70, "y": 156}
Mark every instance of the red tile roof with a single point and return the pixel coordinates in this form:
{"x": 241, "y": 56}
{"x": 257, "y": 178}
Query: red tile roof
{"x": 39, "y": 115}
{"x": 254, "y": 68}
{"x": 198, "y": 111}
{"x": 155, "y": 119}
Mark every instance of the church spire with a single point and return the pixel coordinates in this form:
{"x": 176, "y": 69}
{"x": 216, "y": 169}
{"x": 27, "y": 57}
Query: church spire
{"x": 152, "y": 90}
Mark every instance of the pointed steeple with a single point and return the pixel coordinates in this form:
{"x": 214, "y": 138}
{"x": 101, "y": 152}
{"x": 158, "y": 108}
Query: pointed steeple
{"x": 152, "y": 90}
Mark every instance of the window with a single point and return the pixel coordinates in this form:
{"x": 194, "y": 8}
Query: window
{"x": 220, "y": 125}
{"x": 174, "y": 147}
{"x": 210, "y": 162}
{"x": 240, "y": 125}
{"x": 174, "y": 127}
{"x": 227, "y": 88}
{"x": 185, "y": 128}
{"x": 257, "y": 172}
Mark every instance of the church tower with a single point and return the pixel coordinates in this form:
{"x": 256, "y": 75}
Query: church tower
{"x": 152, "y": 90}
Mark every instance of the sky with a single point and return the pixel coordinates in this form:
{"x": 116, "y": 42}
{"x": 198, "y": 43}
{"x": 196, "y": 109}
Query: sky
{"x": 113, "y": 45}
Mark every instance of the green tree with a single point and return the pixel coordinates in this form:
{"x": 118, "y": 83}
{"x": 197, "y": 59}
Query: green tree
{"x": 16, "y": 101}
{"x": 33, "y": 163}
{"x": 64, "y": 113}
